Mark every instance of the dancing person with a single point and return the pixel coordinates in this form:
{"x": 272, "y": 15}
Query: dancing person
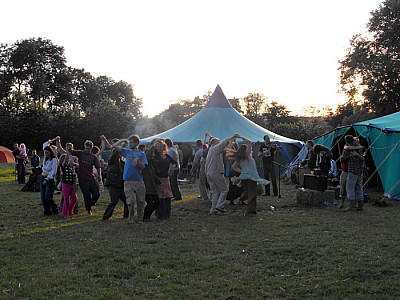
{"x": 67, "y": 180}
{"x": 198, "y": 167}
{"x": 73, "y": 161}
{"x": 115, "y": 181}
{"x": 173, "y": 170}
{"x": 199, "y": 172}
{"x": 135, "y": 162}
{"x": 355, "y": 163}
{"x": 47, "y": 184}
{"x": 150, "y": 181}
{"x": 163, "y": 161}
{"x": 98, "y": 152}
{"x": 234, "y": 191}
{"x": 245, "y": 165}
{"x": 215, "y": 173}
{"x": 87, "y": 180}
{"x": 267, "y": 151}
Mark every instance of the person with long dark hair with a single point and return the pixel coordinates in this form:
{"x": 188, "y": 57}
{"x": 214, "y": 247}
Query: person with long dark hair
{"x": 249, "y": 178}
{"x": 324, "y": 156}
{"x": 47, "y": 184}
{"x": 163, "y": 160}
{"x": 150, "y": 181}
{"x": 115, "y": 182}
{"x": 174, "y": 170}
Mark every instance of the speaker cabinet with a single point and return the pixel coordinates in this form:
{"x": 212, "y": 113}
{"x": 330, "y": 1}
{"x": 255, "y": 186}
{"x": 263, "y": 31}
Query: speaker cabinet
{"x": 315, "y": 182}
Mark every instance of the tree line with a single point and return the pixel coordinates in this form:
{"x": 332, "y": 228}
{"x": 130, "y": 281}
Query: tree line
{"x": 41, "y": 97}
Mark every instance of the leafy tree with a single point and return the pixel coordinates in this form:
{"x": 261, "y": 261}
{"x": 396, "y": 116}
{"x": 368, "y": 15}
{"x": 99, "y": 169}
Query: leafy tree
{"x": 275, "y": 113}
{"x": 174, "y": 115}
{"x": 41, "y": 97}
{"x": 255, "y": 106}
{"x": 104, "y": 119}
{"x": 37, "y": 68}
{"x": 371, "y": 67}
{"x": 236, "y": 104}
{"x": 349, "y": 113}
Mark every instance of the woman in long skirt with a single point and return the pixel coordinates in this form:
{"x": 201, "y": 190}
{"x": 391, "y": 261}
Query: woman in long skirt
{"x": 163, "y": 161}
{"x": 248, "y": 178}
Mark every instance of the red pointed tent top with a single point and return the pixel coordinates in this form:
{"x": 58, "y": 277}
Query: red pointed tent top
{"x": 218, "y": 99}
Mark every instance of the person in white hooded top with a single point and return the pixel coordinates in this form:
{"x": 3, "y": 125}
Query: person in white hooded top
{"x": 47, "y": 181}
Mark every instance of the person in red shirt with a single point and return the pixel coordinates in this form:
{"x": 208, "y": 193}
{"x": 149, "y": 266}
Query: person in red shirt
{"x": 87, "y": 180}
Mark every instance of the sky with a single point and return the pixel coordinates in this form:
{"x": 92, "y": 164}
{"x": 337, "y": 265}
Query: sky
{"x": 171, "y": 50}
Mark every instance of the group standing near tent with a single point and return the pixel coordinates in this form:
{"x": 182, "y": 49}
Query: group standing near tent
{"x": 382, "y": 138}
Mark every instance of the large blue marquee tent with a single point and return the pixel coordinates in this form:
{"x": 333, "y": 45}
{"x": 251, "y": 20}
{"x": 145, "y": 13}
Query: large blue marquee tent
{"x": 222, "y": 120}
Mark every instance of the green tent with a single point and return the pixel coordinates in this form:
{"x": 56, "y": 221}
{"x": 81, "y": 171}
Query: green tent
{"x": 383, "y": 137}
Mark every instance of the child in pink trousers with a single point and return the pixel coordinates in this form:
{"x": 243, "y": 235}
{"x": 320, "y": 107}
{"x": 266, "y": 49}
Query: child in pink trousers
{"x": 67, "y": 179}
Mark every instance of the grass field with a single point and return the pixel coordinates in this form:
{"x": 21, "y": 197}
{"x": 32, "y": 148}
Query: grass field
{"x": 289, "y": 253}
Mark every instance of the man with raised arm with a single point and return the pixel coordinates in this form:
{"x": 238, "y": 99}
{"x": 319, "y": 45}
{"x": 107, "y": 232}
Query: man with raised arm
{"x": 87, "y": 181}
{"x": 134, "y": 187}
{"x": 215, "y": 173}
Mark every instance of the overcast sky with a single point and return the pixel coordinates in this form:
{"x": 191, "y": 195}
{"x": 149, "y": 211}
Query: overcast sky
{"x": 170, "y": 50}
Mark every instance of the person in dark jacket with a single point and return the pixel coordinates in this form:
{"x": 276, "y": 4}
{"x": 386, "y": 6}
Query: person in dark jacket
{"x": 35, "y": 161}
{"x": 150, "y": 181}
{"x": 115, "y": 184}
{"x": 324, "y": 156}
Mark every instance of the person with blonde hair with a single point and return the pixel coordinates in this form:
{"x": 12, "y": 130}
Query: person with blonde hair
{"x": 245, "y": 164}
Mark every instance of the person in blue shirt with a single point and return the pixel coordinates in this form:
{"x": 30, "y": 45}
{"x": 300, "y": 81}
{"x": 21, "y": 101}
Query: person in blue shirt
{"x": 135, "y": 162}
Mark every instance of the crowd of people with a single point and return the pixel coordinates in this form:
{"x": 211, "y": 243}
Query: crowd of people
{"x": 145, "y": 176}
